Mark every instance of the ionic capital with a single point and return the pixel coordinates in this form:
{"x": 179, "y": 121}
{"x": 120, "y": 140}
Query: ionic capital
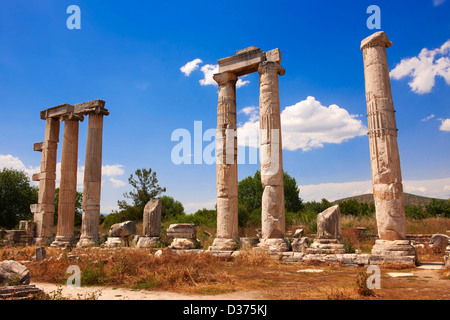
{"x": 271, "y": 66}
{"x": 224, "y": 78}
{"x": 378, "y": 39}
{"x": 71, "y": 116}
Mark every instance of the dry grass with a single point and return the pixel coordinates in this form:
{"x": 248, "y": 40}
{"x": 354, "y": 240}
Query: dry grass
{"x": 205, "y": 274}
{"x": 428, "y": 226}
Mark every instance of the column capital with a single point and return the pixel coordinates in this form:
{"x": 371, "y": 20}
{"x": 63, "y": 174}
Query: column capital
{"x": 91, "y": 107}
{"x": 378, "y": 39}
{"x": 224, "y": 78}
{"x": 71, "y": 116}
{"x": 273, "y": 66}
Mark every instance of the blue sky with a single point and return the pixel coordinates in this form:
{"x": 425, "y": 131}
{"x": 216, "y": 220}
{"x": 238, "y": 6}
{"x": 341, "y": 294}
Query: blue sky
{"x": 129, "y": 53}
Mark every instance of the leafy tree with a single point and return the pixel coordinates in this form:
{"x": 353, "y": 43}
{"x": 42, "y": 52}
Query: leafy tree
{"x": 292, "y": 201}
{"x": 16, "y": 196}
{"x": 145, "y": 186}
{"x": 171, "y": 208}
{"x": 438, "y": 207}
{"x": 316, "y": 207}
{"x": 78, "y": 208}
{"x": 250, "y": 193}
{"x": 415, "y": 212}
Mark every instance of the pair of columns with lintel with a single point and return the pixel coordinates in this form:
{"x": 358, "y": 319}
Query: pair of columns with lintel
{"x": 267, "y": 64}
{"x": 44, "y": 211}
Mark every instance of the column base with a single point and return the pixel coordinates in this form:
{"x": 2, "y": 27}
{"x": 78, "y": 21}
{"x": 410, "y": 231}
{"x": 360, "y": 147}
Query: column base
{"x": 63, "y": 242}
{"x": 87, "y": 242}
{"x": 394, "y": 248}
{"x": 447, "y": 257}
{"x": 273, "y": 245}
{"x": 42, "y": 242}
{"x": 221, "y": 244}
{"x": 147, "y": 242}
{"x": 182, "y": 244}
{"x": 326, "y": 246}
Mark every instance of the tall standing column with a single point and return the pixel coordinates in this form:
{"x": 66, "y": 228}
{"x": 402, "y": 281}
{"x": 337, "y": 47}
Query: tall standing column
{"x": 68, "y": 184}
{"x": 226, "y": 169}
{"x": 273, "y": 211}
{"x": 44, "y": 211}
{"x": 92, "y": 180}
{"x": 384, "y": 155}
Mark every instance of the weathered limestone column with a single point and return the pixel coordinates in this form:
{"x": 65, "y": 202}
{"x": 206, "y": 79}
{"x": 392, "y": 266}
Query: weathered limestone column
{"x": 226, "y": 168}
{"x": 384, "y": 155}
{"x": 68, "y": 184}
{"x": 92, "y": 174}
{"x": 273, "y": 211}
{"x": 44, "y": 211}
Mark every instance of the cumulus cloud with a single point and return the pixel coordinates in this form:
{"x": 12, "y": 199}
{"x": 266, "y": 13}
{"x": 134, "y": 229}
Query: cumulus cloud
{"x": 10, "y": 162}
{"x": 435, "y": 188}
{"x": 445, "y": 126}
{"x": 112, "y": 170}
{"x": 241, "y": 83}
{"x": 431, "y": 116}
{"x": 189, "y": 67}
{"x": 116, "y": 183}
{"x": 424, "y": 68}
{"x": 307, "y": 125}
{"x": 438, "y": 2}
{"x": 208, "y": 71}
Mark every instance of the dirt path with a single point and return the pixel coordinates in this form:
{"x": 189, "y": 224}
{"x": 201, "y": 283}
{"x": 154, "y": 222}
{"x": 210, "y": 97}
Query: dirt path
{"x": 425, "y": 282}
{"x": 111, "y": 293}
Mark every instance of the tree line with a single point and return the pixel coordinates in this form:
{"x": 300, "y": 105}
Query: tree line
{"x": 16, "y": 196}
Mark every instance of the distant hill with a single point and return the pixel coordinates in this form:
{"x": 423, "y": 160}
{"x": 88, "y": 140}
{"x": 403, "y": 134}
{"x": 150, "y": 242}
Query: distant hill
{"x": 410, "y": 199}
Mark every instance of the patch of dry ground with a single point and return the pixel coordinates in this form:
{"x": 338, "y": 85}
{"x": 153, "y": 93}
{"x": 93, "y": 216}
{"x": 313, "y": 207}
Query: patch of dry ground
{"x": 138, "y": 274}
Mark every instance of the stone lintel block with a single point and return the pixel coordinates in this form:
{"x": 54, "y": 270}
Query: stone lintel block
{"x": 44, "y": 176}
{"x": 38, "y": 146}
{"x": 244, "y": 62}
{"x": 377, "y": 39}
{"x": 94, "y": 106}
{"x": 57, "y": 112}
{"x": 274, "y": 55}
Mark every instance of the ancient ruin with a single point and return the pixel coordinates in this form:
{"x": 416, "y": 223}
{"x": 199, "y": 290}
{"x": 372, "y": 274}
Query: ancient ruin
{"x": 183, "y": 236}
{"x": 329, "y": 234}
{"x": 45, "y": 209}
{"x": 151, "y": 224}
{"x": 384, "y": 155}
{"x": 267, "y": 64}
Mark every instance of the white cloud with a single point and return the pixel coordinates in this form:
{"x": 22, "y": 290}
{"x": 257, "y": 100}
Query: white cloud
{"x": 425, "y": 68}
{"x": 438, "y": 2}
{"x": 10, "y": 162}
{"x": 445, "y": 126}
{"x": 208, "y": 71}
{"x": 192, "y": 207}
{"x": 241, "y": 83}
{"x": 435, "y": 188}
{"x": 431, "y": 116}
{"x": 307, "y": 125}
{"x": 116, "y": 183}
{"x": 189, "y": 67}
{"x": 112, "y": 170}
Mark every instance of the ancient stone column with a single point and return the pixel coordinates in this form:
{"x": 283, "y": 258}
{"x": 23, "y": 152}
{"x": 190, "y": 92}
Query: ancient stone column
{"x": 226, "y": 168}
{"x": 68, "y": 184}
{"x": 273, "y": 215}
{"x": 44, "y": 211}
{"x": 384, "y": 155}
{"x": 151, "y": 224}
{"x": 92, "y": 178}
